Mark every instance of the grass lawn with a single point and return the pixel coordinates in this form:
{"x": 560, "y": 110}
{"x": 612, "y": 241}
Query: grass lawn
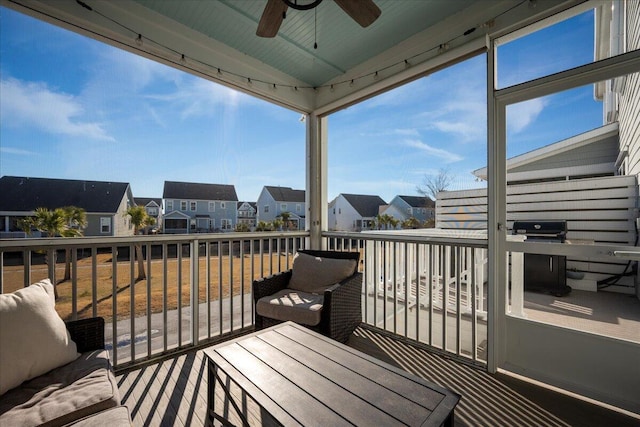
{"x": 222, "y": 273}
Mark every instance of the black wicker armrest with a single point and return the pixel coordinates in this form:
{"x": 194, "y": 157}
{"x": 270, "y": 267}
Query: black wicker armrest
{"x": 270, "y": 285}
{"x": 342, "y": 308}
{"x": 88, "y": 334}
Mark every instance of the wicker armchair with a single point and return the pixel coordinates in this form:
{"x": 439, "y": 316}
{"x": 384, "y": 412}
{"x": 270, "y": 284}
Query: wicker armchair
{"x": 88, "y": 334}
{"x": 341, "y": 309}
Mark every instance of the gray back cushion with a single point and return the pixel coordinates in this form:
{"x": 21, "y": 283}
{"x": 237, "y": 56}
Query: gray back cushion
{"x": 315, "y": 274}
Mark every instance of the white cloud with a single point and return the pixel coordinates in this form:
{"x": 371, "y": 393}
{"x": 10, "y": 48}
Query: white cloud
{"x": 35, "y": 105}
{"x": 202, "y": 98}
{"x": 17, "y": 151}
{"x": 154, "y": 91}
{"x": 406, "y": 132}
{"x": 444, "y": 155}
{"x": 521, "y": 115}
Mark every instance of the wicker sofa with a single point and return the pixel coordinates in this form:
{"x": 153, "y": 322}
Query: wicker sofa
{"x": 80, "y": 392}
{"x": 338, "y": 307}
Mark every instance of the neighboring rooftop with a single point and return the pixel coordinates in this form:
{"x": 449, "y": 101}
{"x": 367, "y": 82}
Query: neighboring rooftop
{"x": 365, "y": 205}
{"x": 418, "y": 201}
{"x": 25, "y": 194}
{"x": 286, "y": 194}
{"x": 144, "y": 201}
{"x": 198, "y": 191}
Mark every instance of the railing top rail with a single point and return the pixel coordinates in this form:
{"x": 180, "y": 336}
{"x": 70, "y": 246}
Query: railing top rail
{"x": 467, "y": 238}
{"x": 87, "y": 242}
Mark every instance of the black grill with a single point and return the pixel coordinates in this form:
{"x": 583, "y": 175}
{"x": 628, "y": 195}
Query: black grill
{"x": 544, "y": 273}
{"x": 552, "y": 231}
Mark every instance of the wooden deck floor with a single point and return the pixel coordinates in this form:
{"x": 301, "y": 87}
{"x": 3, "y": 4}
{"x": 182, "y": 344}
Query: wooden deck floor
{"x": 173, "y": 392}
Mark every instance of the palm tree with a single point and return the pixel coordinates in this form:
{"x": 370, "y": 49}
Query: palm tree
{"x": 76, "y": 219}
{"x": 378, "y": 222}
{"x": 263, "y": 226}
{"x": 285, "y": 216}
{"x": 411, "y": 222}
{"x": 140, "y": 219}
{"x": 26, "y": 224}
{"x": 385, "y": 220}
{"x": 276, "y": 224}
{"x": 242, "y": 227}
{"x": 54, "y": 224}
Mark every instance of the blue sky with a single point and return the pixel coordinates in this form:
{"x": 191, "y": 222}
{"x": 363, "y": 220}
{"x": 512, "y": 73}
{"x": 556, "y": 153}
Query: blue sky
{"x": 74, "y": 108}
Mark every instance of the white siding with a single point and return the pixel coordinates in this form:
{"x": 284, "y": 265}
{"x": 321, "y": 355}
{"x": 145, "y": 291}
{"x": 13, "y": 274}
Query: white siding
{"x": 121, "y": 222}
{"x": 344, "y": 217}
{"x": 599, "y": 209}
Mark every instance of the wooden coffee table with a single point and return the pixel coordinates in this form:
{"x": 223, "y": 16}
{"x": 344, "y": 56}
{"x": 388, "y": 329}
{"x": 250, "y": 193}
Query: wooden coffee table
{"x": 289, "y": 375}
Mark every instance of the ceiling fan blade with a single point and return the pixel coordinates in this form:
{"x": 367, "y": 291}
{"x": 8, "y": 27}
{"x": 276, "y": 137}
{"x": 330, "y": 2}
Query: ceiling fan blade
{"x": 364, "y": 12}
{"x": 271, "y": 18}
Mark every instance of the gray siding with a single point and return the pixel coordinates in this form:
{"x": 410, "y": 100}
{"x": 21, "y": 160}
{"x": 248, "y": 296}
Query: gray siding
{"x": 629, "y": 99}
{"x": 208, "y": 219}
{"x": 604, "y": 151}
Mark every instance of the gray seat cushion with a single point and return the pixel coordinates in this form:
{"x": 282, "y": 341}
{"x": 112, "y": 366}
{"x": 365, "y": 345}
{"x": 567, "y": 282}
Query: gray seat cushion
{"x": 113, "y": 417}
{"x": 300, "y": 307}
{"x": 315, "y": 274}
{"x": 65, "y": 394}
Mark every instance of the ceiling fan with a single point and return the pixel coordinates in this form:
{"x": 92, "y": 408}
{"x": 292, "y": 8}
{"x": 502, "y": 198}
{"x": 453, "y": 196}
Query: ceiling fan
{"x": 364, "y": 12}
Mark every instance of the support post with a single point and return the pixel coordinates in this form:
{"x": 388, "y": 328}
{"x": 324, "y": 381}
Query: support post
{"x": 316, "y": 180}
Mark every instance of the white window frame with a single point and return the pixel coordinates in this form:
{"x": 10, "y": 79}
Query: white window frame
{"x": 183, "y": 205}
{"x": 283, "y": 207}
{"x": 212, "y": 206}
{"x": 298, "y": 207}
{"x": 193, "y": 206}
{"x": 266, "y": 208}
{"x": 169, "y": 205}
{"x": 223, "y": 205}
{"x": 226, "y": 224}
{"x": 105, "y": 221}
{"x": 498, "y": 245}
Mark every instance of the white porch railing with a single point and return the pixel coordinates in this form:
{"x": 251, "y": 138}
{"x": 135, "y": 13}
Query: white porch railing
{"x": 429, "y": 286}
{"x": 197, "y": 287}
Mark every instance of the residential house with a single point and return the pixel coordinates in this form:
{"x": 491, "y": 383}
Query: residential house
{"x": 353, "y": 212}
{"x": 199, "y": 208}
{"x": 247, "y": 214}
{"x": 273, "y": 201}
{"x": 153, "y": 206}
{"x": 402, "y": 208}
{"x": 105, "y": 203}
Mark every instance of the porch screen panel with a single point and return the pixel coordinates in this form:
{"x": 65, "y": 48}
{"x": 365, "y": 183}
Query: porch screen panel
{"x": 573, "y": 157}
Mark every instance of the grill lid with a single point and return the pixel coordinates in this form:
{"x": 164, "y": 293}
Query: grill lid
{"x": 549, "y": 229}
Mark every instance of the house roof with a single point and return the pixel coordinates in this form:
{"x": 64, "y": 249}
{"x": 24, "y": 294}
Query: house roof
{"x": 575, "y": 142}
{"x": 197, "y": 191}
{"x": 365, "y": 205}
{"x": 144, "y": 201}
{"x": 25, "y": 194}
{"x": 418, "y": 201}
{"x": 252, "y": 204}
{"x": 286, "y": 194}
